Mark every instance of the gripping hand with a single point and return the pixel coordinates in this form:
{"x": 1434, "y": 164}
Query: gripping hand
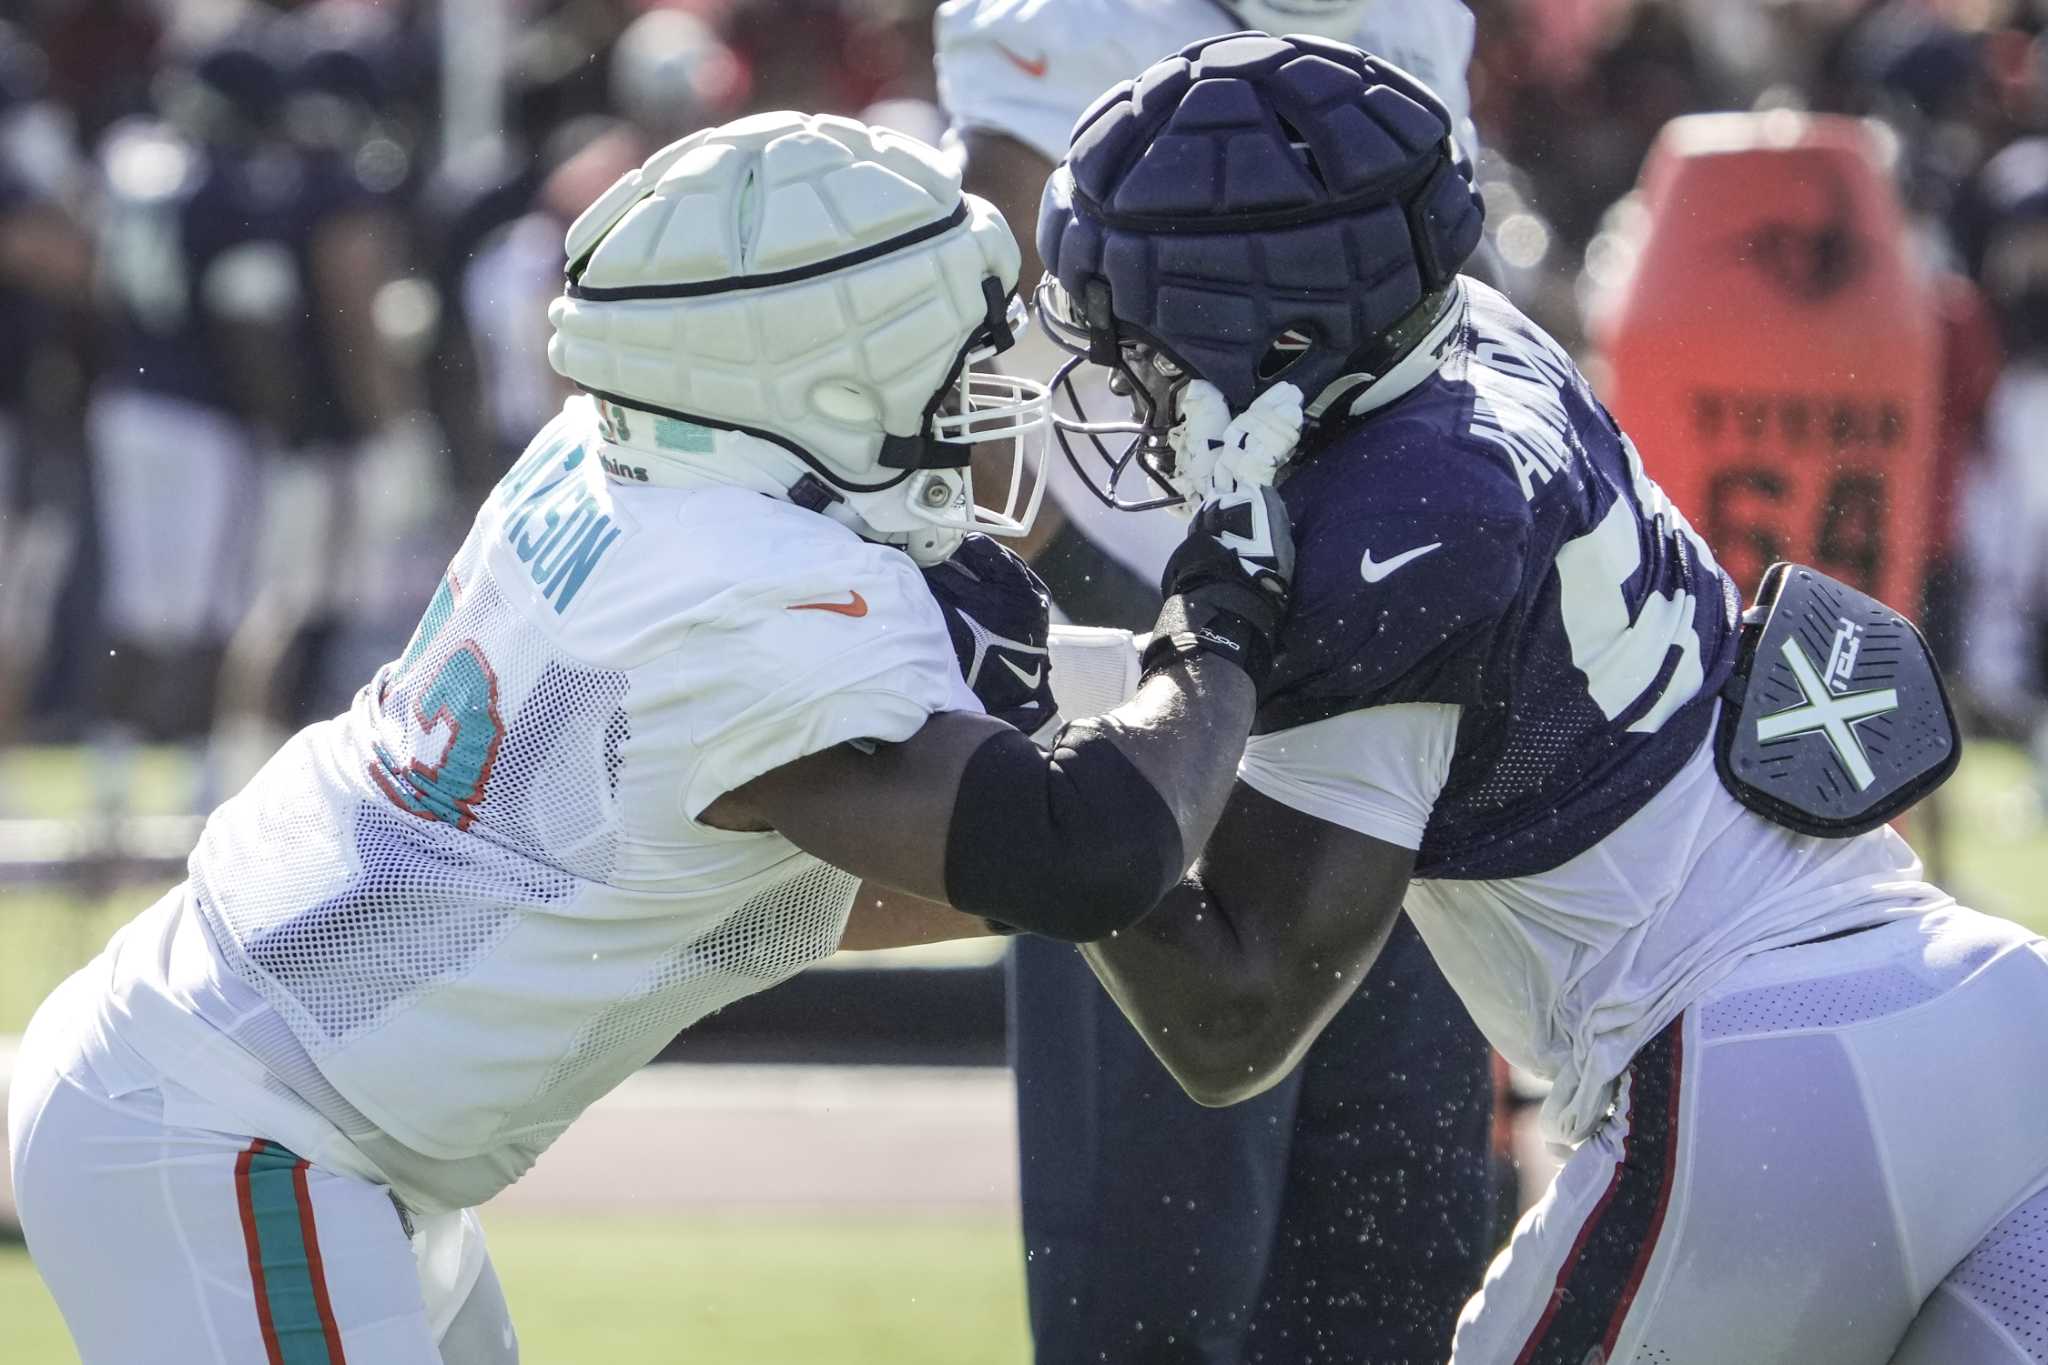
{"x": 1226, "y": 586}
{"x": 996, "y": 612}
{"x": 1217, "y": 453}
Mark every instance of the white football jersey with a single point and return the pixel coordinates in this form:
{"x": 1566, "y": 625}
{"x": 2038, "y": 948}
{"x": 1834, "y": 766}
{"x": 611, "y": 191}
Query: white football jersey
{"x": 452, "y": 918}
{"x": 1029, "y": 68}
{"x": 1569, "y": 972}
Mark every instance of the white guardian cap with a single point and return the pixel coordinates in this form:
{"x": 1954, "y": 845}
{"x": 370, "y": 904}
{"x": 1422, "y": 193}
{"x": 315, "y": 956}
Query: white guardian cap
{"x": 794, "y": 303}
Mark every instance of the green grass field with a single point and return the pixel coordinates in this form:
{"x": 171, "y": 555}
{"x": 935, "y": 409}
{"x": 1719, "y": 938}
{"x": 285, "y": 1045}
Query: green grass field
{"x": 629, "y": 1292}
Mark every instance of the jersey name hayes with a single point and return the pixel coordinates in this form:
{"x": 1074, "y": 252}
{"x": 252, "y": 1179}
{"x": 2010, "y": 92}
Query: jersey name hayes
{"x": 552, "y": 523}
{"x": 1520, "y": 385}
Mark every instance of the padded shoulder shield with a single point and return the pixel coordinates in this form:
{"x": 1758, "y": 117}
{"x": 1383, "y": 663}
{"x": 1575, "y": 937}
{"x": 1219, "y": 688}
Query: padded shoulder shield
{"x": 1836, "y": 719}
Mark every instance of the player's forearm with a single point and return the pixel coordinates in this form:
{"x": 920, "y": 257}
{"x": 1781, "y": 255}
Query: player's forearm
{"x": 886, "y": 918}
{"x": 1082, "y": 842}
{"x": 1185, "y": 730}
{"x": 1200, "y": 991}
{"x": 1239, "y": 968}
{"x": 1011, "y": 176}
{"x": 354, "y": 257}
{"x": 1073, "y": 844}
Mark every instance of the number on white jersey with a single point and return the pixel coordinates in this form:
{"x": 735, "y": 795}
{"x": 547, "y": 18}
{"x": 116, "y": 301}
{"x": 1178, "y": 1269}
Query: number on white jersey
{"x": 458, "y": 706}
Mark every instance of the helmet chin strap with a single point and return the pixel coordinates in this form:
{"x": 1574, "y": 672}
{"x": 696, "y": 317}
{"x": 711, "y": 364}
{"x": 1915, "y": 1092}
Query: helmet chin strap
{"x": 646, "y": 448}
{"x": 926, "y": 545}
{"x": 882, "y": 521}
{"x": 1358, "y": 394}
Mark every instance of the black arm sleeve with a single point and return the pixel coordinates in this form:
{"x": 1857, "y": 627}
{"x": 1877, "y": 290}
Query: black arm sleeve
{"x": 1073, "y": 845}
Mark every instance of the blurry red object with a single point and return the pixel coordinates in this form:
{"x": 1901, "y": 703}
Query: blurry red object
{"x": 575, "y": 185}
{"x": 1564, "y": 35}
{"x": 1775, "y": 352}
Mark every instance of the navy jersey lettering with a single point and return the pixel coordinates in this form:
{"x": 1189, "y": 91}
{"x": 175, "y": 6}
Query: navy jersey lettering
{"x": 1492, "y": 542}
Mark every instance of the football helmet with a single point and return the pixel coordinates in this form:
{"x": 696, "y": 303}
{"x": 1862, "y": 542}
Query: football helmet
{"x": 795, "y": 303}
{"x": 1252, "y": 210}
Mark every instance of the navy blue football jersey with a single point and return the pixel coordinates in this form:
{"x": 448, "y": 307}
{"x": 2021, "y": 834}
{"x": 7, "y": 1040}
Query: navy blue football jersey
{"x": 1491, "y": 541}
{"x": 174, "y": 208}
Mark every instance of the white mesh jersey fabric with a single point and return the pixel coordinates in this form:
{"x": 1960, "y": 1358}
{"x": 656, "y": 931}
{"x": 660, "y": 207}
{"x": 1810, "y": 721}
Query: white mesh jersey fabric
{"x": 1819, "y": 1002}
{"x": 480, "y": 899}
{"x": 2006, "y": 1277}
{"x": 1094, "y": 669}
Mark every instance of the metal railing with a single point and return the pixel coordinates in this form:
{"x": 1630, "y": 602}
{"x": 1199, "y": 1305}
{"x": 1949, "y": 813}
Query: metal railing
{"x": 130, "y": 848}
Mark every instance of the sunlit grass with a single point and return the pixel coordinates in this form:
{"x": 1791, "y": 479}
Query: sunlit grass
{"x": 633, "y": 1291}
{"x": 1993, "y": 847}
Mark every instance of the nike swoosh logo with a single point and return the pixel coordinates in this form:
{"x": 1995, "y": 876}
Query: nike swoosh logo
{"x": 1373, "y": 571}
{"x": 1030, "y": 679}
{"x": 857, "y": 607}
{"x": 1033, "y": 67}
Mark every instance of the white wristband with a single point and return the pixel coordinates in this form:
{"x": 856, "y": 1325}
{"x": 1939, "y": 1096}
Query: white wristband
{"x": 1093, "y": 670}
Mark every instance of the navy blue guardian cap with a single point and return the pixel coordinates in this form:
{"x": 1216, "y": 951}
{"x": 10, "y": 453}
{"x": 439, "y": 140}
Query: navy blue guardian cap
{"x": 1250, "y": 210}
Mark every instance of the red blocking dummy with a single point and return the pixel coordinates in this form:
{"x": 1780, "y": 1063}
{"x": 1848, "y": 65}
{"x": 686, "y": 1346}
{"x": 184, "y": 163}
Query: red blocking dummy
{"x": 1775, "y": 350}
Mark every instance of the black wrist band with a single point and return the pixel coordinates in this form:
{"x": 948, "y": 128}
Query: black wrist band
{"x": 1221, "y": 633}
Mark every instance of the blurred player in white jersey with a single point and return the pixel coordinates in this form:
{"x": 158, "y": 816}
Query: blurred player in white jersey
{"x": 1014, "y": 75}
{"x": 1106, "y": 1141}
{"x": 682, "y": 689}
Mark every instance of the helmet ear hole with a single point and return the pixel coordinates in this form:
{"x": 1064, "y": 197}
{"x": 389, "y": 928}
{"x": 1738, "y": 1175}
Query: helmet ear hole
{"x": 1287, "y": 350}
{"x": 843, "y": 402}
{"x": 1298, "y": 141}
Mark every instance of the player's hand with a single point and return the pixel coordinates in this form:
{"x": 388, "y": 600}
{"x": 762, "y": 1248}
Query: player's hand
{"x": 1217, "y": 453}
{"x": 1227, "y": 585}
{"x": 996, "y": 610}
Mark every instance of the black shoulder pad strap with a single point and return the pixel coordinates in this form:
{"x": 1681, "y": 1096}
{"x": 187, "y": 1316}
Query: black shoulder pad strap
{"x": 1836, "y": 719}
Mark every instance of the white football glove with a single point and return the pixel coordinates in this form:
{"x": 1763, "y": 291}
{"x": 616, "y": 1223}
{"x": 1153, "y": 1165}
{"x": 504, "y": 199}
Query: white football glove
{"x": 1215, "y": 453}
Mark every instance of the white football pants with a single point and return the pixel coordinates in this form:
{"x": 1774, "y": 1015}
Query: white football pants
{"x": 165, "y": 1239}
{"x": 1836, "y": 1157}
{"x": 176, "y": 485}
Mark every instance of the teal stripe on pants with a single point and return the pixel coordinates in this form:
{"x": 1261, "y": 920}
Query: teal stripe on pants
{"x": 287, "y": 1269}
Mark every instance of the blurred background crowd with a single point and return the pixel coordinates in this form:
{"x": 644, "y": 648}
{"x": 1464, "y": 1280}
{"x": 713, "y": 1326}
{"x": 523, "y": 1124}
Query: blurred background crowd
{"x": 273, "y": 286}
